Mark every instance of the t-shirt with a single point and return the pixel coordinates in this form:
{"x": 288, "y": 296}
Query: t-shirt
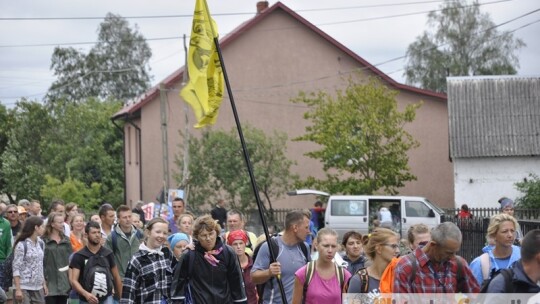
{"x": 80, "y": 258}
{"x": 291, "y": 259}
{"x": 321, "y": 290}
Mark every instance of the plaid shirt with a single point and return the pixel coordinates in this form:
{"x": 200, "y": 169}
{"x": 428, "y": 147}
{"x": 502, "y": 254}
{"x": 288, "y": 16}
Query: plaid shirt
{"x": 432, "y": 277}
{"x": 148, "y": 278}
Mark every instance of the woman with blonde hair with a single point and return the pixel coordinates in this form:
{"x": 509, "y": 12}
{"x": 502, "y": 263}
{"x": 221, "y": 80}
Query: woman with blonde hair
{"x": 211, "y": 272}
{"x": 185, "y": 225}
{"x": 77, "y": 232}
{"x": 382, "y": 246}
{"x": 502, "y": 230}
{"x": 56, "y": 256}
{"x": 325, "y": 279}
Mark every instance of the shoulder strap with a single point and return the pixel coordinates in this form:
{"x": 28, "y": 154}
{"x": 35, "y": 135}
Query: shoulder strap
{"x": 340, "y": 272}
{"x": 485, "y": 263}
{"x": 248, "y": 244}
{"x": 305, "y": 251}
{"x": 459, "y": 276}
{"x": 310, "y": 270}
{"x": 25, "y": 249}
{"x": 114, "y": 240}
{"x": 190, "y": 258}
{"x": 364, "y": 278}
{"x": 414, "y": 264}
{"x": 139, "y": 234}
{"x": 507, "y": 274}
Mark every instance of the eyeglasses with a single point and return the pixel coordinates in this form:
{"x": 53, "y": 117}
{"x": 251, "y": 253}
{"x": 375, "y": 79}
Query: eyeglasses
{"x": 394, "y": 246}
{"x": 12, "y": 211}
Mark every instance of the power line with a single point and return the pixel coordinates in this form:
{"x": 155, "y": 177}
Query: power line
{"x": 321, "y": 77}
{"x": 180, "y": 37}
{"x": 217, "y": 14}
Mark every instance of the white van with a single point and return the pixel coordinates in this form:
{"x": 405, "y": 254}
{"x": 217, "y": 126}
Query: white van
{"x": 358, "y": 212}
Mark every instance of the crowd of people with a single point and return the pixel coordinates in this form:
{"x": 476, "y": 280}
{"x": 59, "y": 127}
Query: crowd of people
{"x": 119, "y": 256}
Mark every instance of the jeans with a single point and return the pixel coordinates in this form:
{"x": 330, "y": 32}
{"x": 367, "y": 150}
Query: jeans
{"x": 108, "y": 300}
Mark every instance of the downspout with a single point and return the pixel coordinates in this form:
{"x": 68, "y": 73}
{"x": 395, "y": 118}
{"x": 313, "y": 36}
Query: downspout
{"x": 140, "y": 155}
{"x": 123, "y": 156}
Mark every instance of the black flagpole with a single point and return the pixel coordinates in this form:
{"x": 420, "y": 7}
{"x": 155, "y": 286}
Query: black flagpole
{"x": 250, "y": 168}
{"x": 246, "y": 155}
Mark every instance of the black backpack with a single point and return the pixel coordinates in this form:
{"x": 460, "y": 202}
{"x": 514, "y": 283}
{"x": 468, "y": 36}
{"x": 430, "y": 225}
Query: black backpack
{"x": 507, "y": 275}
{"x": 8, "y": 264}
{"x": 274, "y": 246}
{"x": 97, "y": 277}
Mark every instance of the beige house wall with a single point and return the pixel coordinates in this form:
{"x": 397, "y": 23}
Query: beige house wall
{"x": 268, "y": 67}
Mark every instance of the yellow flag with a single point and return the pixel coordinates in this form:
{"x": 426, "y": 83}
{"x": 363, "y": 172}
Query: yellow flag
{"x": 204, "y": 92}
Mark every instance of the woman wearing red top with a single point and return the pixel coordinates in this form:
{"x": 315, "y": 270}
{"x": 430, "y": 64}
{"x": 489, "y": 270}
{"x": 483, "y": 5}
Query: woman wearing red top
{"x": 464, "y": 213}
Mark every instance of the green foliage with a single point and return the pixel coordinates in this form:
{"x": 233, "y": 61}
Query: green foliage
{"x": 217, "y": 167}
{"x": 87, "y": 197}
{"x": 363, "y": 146}
{"x": 531, "y": 192}
{"x": 464, "y": 42}
{"x": 116, "y": 67}
{"x": 23, "y": 167}
{"x": 66, "y": 141}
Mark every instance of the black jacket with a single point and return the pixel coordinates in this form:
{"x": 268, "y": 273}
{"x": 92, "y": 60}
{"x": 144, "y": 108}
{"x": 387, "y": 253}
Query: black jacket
{"x": 209, "y": 284}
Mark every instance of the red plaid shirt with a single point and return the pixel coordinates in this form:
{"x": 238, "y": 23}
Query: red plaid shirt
{"x": 432, "y": 277}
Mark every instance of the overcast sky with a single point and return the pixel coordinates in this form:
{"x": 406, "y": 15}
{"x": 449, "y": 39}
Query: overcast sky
{"x": 24, "y": 67}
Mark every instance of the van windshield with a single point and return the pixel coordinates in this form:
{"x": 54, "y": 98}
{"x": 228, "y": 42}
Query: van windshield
{"x": 435, "y": 207}
{"x": 348, "y": 207}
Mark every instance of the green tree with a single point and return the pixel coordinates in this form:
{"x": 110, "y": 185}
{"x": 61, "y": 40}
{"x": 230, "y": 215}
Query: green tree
{"x": 23, "y": 166}
{"x": 217, "y": 167}
{"x": 84, "y": 145}
{"x": 87, "y": 197}
{"x": 363, "y": 146}
{"x": 531, "y": 192}
{"x": 116, "y": 67}
{"x": 463, "y": 42}
{"x": 6, "y": 123}
{"x": 68, "y": 141}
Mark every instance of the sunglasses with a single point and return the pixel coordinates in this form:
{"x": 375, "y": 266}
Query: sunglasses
{"x": 12, "y": 211}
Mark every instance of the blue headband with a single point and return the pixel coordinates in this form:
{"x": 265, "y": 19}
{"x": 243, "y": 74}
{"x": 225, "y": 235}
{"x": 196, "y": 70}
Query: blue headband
{"x": 177, "y": 237}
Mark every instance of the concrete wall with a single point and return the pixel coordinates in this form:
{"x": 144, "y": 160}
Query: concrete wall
{"x": 481, "y": 182}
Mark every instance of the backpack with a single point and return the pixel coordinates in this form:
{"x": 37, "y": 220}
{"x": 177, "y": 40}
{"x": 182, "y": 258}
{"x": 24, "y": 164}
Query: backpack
{"x": 274, "y": 246}
{"x": 8, "y": 264}
{"x": 488, "y": 275}
{"x": 364, "y": 278}
{"x": 507, "y": 275}
{"x": 310, "y": 271}
{"x": 114, "y": 238}
{"x": 460, "y": 278}
{"x": 97, "y": 277}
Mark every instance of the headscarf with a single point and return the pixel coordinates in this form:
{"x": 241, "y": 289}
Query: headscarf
{"x": 173, "y": 239}
{"x": 237, "y": 235}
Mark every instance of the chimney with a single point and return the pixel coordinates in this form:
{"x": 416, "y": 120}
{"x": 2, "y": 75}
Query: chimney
{"x": 261, "y": 6}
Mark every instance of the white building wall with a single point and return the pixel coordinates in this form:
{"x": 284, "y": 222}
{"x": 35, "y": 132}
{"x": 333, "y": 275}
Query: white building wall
{"x": 480, "y": 182}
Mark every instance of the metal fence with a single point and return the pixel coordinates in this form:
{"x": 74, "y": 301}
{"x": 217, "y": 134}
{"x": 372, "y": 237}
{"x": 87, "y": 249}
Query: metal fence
{"x": 519, "y": 213}
{"x": 474, "y": 234}
{"x": 473, "y": 230}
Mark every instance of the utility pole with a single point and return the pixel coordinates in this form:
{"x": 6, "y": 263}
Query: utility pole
{"x": 164, "y": 137}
